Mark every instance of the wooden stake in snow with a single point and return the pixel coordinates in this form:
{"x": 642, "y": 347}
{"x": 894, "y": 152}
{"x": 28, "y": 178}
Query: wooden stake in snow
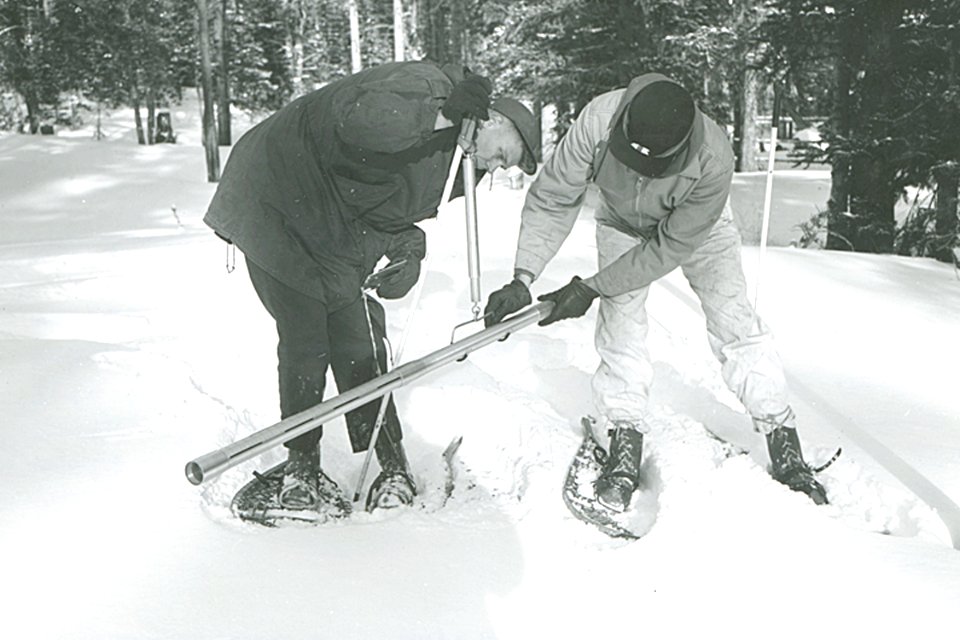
{"x": 768, "y": 195}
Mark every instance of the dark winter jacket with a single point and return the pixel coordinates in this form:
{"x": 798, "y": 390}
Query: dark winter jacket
{"x": 318, "y": 192}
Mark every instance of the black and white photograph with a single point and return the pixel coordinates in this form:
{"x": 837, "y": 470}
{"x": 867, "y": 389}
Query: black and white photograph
{"x": 479, "y": 319}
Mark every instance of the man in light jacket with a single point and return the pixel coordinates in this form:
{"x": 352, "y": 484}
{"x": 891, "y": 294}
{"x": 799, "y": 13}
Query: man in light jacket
{"x": 663, "y": 171}
{"x": 314, "y": 196}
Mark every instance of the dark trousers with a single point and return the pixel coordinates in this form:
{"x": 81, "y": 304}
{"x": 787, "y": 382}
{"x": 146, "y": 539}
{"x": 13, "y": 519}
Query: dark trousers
{"x": 312, "y": 338}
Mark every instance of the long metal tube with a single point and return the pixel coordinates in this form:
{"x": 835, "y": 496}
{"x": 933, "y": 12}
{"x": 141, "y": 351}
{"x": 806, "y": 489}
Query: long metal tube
{"x": 473, "y": 236}
{"x": 216, "y": 462}
{"x": 467, "y": 141}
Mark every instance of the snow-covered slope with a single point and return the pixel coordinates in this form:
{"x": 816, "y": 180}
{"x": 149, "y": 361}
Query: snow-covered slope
{"x": 126, "y": 350}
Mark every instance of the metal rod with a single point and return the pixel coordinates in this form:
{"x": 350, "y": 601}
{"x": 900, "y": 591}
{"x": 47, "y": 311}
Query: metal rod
{"x": 467, "y": 141}
{"x": 216, "y": 462}
{"x": 395, "y": 359}
{"x": 464, "y": 142}
{"x": 381, "y": 410}
{"x": 473, "y": 237}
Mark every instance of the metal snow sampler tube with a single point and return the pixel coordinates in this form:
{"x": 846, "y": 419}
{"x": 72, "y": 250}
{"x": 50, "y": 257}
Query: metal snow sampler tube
{"x": 216, "y": 462}
{"x": 473, "y": 236}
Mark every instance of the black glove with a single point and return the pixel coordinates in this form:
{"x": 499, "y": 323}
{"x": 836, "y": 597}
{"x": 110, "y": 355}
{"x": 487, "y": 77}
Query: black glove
{"x": 405, "y": 251}
{"x": 570, "y": 301}
{"x": 469, "y": 98}
{"x": 398, "y": 283}
{"x": 504, "y": 301}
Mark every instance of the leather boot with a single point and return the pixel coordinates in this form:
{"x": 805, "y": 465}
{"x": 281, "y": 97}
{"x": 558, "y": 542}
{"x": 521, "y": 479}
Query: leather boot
{"x": 787, "y": 465}
{"x": 620, "y": 475}
{"x": 394, "y": 487}
{"x": 299, "y": 488}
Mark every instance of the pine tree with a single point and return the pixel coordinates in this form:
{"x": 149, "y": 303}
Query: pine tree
{"x": 893, "y": 117}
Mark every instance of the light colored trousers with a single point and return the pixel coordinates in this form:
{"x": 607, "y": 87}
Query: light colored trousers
{"x": 751, "y": 366}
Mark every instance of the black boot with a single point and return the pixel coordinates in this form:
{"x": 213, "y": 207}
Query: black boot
{"x": 300, "y": 474}
{"x": 394, "y": 486}
{"x": 788, "y": 467}
{"x": 620, "y": 474}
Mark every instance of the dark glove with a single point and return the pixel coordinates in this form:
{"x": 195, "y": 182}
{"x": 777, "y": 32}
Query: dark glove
{"x": 570, "y": 301}
{"x": 504, "y": 301}
{"x": 399, "y": 282}
{"x": 405, "y": 251}
{"x": 469, "y": 98}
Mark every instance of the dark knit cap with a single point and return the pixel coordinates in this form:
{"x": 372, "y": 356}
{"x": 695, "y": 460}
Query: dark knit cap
{"x": 654, "y": 128}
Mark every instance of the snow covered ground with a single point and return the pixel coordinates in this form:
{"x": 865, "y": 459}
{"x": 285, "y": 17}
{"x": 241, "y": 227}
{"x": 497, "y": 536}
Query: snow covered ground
{"x": 127, "y": 350}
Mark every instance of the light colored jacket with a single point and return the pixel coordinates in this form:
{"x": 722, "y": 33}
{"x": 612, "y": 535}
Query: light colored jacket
{"x": 673, "y": 213}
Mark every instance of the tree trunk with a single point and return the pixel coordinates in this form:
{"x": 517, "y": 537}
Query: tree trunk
{"x": 398, "y": 37}
{"x": 872, "y": 185}
{"x": 137, "y": 118}
{"x": 947, "y": 225}
{"x": 295, "y": 36}
{"x": 947, "y": 175}
{"x": 458, "y": 26}
{"x": 867, "y": 223}
{"x": 356, "y": 62}
{"x": 538, "y": 116}
{"x": 872, "y": 204}
{"x": 793, "y": 98}
{"x": 224, "y": 128}
{"x": 840, "y": 227}
{"x": 33, "y": 109}
{"x": 98, "y": 131}
{"x": 413, "y": 41}
{"x": 748, "y": 119}
{"x": 151, "y": 116}
{"x": 435, "y": 34}
{"x": 206, "y": 76}
{"x": 25, "y": 77}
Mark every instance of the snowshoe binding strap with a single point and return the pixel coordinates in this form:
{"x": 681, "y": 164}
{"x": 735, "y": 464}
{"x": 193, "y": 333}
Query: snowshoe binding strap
{"x": 332, "y": 500}
{"x": 615, "y": 491}
{"x": 299, "y": 487}
{"x": 265, "y": 479}
{"x": 829, "y": 462}
{"x": 298, "y": 493}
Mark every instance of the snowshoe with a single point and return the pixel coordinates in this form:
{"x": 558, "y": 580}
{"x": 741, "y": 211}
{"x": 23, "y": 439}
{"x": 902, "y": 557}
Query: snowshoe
{"x": 259, "y": 501}
{"x": 579, "y": 486}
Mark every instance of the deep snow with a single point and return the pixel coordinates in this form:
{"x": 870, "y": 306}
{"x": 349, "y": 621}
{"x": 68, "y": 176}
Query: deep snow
{"x": 126, "y": 350}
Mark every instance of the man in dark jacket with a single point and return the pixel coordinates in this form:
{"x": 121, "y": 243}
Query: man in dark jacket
{"x": 314, "y": 196}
